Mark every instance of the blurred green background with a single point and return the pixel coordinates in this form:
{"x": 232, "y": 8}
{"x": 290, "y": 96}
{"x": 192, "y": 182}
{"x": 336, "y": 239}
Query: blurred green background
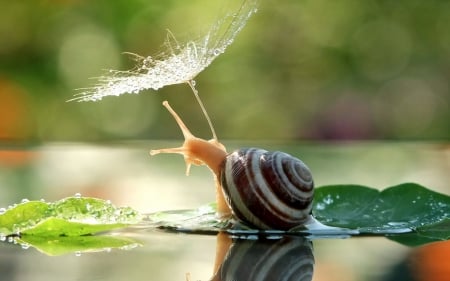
{"x": 304, "y": 69}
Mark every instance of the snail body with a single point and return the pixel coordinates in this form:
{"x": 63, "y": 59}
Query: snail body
{"x": 262, "y": 189}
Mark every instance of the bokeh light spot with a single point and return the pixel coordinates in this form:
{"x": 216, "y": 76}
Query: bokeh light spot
{"x": 381, "y": 49}
{"x": 406, "y": 105}
{"x": 85, "y": 53}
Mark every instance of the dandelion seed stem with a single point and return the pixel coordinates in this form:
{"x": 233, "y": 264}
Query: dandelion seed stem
{"x": 191, "y": 84}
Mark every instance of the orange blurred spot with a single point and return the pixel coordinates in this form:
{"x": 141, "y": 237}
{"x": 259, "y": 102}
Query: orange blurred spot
{"x": 14, "y": 114}
{"x": 16, "y": 157}
{"x": 432, "y": 262}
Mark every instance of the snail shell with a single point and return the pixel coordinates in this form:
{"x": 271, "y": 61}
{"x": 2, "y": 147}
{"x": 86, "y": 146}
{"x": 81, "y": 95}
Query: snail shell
{"x": 266, "y": 190}
{"x": 290, "y": 258}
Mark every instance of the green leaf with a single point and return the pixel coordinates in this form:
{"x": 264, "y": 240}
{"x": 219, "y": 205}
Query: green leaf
{"x": 401, "y": 208}
{"x": 67, "y": 225}
{"x": 440, "y": 230}
{"x": 21, "y": 216}
{"x": 73, "y": 216}
{"x": 345, "y": 205}
{"x": 56, "y": 246}
{"x": 52, "y": 227}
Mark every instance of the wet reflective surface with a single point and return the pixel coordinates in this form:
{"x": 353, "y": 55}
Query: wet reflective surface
{"x": 127, "y": 175}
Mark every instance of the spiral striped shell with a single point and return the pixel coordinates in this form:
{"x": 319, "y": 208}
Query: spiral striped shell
{"x": 267, "y": 190}
{"x": 267, "y": 260}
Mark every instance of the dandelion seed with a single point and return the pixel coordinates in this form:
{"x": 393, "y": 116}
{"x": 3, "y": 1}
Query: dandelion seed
{"x": 182, "y": 65}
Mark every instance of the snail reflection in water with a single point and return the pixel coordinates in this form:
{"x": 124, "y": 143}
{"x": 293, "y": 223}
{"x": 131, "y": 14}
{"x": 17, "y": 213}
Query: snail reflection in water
{"x": 265, "y": 190}
{"x": 288, "y": 258}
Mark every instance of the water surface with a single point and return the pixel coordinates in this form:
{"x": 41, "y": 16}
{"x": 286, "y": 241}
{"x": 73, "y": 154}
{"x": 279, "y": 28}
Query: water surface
{"x": 125, "y": 174}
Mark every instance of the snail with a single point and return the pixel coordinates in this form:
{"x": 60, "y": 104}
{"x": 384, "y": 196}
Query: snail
{"x": 262, "y": 189}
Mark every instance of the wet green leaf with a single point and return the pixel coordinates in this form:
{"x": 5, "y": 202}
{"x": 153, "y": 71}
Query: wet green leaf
{"x": 21, "y": 215}
{"x": 401, "y": 208}
{"x": 73, "y": 216}
{"x": 67, "y": 225}
{"x": 438, "y": 231}
{"x": 59, "y": 227}
{"x": 56, "y": 246}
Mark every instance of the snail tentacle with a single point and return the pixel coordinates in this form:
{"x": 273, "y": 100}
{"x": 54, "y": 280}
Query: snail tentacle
{"x": 199, "y": 152}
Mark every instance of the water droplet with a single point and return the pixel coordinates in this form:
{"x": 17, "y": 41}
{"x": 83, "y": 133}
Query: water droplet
{"x": 320, "y": 206}
{"x": 328, "y": 200}
{"x": 78, "y": 253}
{"x": 25, "y": 200}
{"x": 2, "y": 211}
{"x": 25, "y": 246}
{"x": 129, "y": 247}
{"x": 77, "y": 195}
{"x": 394, "y": 223}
